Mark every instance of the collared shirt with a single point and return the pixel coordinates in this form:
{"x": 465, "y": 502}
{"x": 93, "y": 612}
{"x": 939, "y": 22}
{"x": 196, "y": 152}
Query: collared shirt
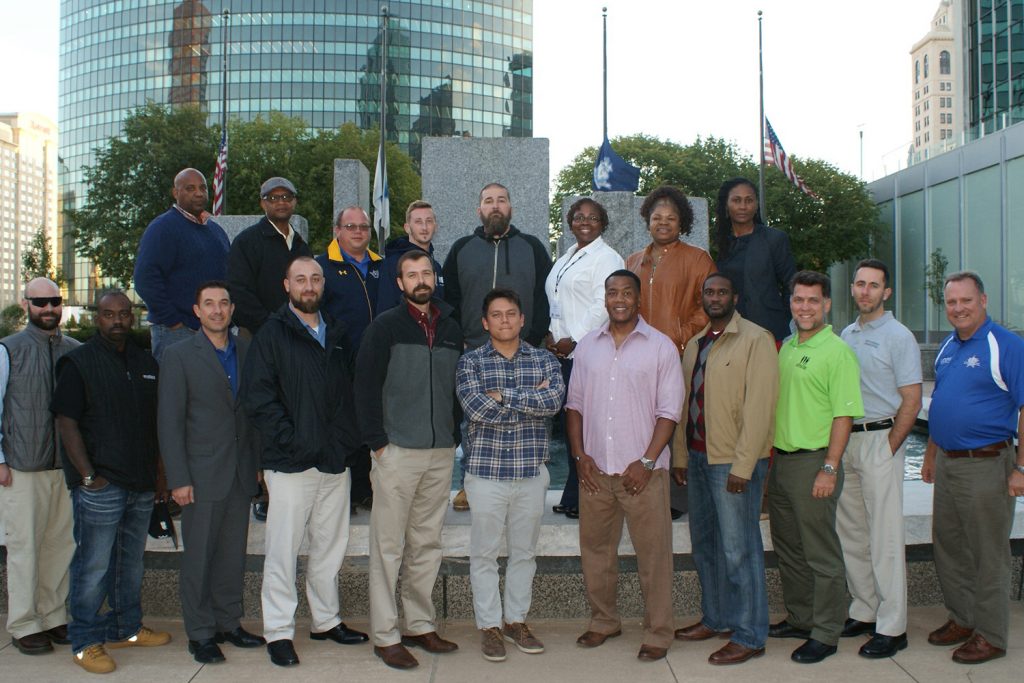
{"x": 203, "y": 217}
{"x": 289, "y": 238}
{"x": 575, "y": 289}
{"x": 229, "y": 361}
{"x": 819, "y": 380}
{"x": 363, "y": 265}
{"x": 979, "y": 388}
{"x": 889, "y": 359}
{"x": 622, "y": 392}
{"x": 319, "y": 333}
{"x": 427, "y": 323}
{"x": 508, "y": 440}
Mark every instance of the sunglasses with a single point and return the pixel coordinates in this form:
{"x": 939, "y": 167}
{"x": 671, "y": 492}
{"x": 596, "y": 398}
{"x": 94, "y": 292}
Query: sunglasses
{"x": 42, "y": 301}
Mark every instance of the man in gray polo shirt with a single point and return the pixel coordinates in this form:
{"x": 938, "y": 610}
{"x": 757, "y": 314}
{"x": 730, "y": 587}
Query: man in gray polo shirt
{"x": 869, "y": 517}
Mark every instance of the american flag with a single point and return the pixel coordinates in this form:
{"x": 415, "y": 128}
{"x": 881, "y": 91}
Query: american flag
{"x": 220, "y": 175}
{"x": 775, "y": 154}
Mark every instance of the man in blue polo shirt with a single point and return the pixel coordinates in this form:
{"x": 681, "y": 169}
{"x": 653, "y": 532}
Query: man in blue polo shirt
{"x": 977, "y": 471}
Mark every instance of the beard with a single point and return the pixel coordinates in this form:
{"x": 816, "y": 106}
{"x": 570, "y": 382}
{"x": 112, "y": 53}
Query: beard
{"x": 496, "y": 223}
{"x": 45, "y": 321}
{"x": 419, "y": 295}
{"x": 306, "y": 305}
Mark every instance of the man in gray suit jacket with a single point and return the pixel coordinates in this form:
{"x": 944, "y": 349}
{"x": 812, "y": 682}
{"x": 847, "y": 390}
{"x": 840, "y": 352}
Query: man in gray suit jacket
{"x": 210, "y": 454}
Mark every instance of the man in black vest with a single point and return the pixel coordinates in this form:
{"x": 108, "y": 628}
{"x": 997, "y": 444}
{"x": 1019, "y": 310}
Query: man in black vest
{"x": 34, "y": 504}
{"x": 105, "y": 403}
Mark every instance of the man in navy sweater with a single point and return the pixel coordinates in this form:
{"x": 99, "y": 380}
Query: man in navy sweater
{"x": 180, "y": 249}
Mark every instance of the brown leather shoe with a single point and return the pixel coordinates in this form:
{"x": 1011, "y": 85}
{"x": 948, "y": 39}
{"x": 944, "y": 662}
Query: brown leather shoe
{"x": 33, "y": 644}
{"x": 977, "y": 650}
{"x": 734, "y": 653}
{"x": 58, "y": 635}
{"x": 396, "y": 656}
{"x": 950, "y": 633}
{"x": 595, "y": 639}
{"x": 649, "y": 653}
{"x": 431, "y": 642}
{"x": 700, "y": 631}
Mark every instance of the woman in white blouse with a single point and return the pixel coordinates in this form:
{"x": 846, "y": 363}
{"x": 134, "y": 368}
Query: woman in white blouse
{"x": 575, "y": 291}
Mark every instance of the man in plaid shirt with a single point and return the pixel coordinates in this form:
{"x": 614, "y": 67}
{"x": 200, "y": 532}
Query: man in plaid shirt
{"x": 507, "y": 389}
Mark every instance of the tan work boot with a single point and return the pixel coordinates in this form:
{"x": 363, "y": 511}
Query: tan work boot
{"x": 461, "y": 501}
{"x": 146, "y": 637}
{"x": 94, "y": 659}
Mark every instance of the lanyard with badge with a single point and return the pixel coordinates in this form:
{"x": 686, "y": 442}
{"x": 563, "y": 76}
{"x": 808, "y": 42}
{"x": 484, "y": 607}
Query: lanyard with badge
{"x": 555, "y": 305}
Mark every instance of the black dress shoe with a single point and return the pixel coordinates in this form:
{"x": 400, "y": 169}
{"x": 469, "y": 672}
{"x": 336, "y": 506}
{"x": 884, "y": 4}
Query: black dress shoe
{"x": 282, "y": 653}
{"x": 881, "y": 646}
{"x": 559, "y": 509}
{"x": 259, "y": 511}
{"x": 852, "y": 628}
{"x": 240, "y": 638}
{"x": 341, "y": 634}
{"x": 676, "y": 514}
{"x": 205, "y": 651}
{"x": 58, "y": 635}
{"x": 812, "y": 652}
{"x": 33, "y": 644}
{"x": 784, "y": 629}
{"x": 572, "y": 513}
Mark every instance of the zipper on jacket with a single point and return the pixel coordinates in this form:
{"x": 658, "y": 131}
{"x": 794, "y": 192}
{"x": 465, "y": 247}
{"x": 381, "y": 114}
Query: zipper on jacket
{"x": 494, "y": 272}
{"x": 430, "y": 378}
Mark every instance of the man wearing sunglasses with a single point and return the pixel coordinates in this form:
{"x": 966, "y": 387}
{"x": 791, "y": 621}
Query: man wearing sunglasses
{"x": 34, "y": 502}
{"x": 260, "y": 254}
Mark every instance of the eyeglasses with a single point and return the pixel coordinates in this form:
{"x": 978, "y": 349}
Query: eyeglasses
{"x": 275, "y": 198}
{"x": 356, "y": 226}
{"x": 42, "y": 301}
{"x": 580, "y": 218}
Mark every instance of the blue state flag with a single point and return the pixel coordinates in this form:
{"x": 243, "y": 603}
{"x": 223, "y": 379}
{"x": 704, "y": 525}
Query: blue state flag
{"x": 612, "y": 173}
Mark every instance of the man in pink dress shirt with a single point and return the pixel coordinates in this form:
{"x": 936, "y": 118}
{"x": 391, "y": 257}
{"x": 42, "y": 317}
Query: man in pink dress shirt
{"x": 625, "y": 398}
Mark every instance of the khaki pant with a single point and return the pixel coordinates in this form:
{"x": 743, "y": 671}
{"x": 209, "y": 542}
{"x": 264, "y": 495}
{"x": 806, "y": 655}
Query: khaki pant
{"x": 869, "y": 521}
{"x": 304, "y": 504}
{"x": 36, "y": 511}
{"x": 807, "y": 546}
{"x": 650, "y": 528}
{"x": 410, "y": 497}
{"x": 971, "y": 519}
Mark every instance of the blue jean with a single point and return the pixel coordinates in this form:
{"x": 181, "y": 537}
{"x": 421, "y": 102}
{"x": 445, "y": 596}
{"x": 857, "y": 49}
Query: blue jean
{"x": 161, "y": 336}
{"x": 726, "y": 535}
{"x": 110, "y": 539}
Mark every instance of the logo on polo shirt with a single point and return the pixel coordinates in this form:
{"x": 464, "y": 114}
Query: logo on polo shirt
{"x": 972, "y": 362}
{"x": 803, "y": 362}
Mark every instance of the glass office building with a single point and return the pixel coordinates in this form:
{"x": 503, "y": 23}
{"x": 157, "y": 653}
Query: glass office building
{"x": 454, "y": 68}
{"x": 994, "y": 30}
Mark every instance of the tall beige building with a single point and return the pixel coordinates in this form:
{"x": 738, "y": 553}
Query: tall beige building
{"x": 937, "y": 64}
{"x": 28, "y": 193}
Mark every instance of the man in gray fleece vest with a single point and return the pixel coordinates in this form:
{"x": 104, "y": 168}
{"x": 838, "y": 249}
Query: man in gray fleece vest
{"x": 498, "y": 255}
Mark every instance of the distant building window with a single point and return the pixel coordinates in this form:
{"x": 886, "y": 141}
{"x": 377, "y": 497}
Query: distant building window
{"x": 926, "y": 66}
{"x": 949, "y": 133}
{"x": 926, "y": 90}
{"x": 943, "y": 63}
{"x": 926, "y": 121}
{"x": 917, "y": 72}
{"x": 926, "y": 137}
{"x": 926, "y": 103}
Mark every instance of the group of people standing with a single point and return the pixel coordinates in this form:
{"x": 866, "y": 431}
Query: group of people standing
{"x": 722, "y": 377}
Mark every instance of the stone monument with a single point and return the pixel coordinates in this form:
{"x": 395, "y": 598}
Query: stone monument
{"x": 351, "y": 187}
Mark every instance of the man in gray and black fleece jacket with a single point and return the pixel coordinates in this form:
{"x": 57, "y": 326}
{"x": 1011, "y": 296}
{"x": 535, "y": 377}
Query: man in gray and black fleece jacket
{"x": 405, "y": 402}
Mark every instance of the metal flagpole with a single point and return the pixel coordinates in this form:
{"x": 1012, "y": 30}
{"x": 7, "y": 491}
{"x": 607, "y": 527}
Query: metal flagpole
{"x": 604, "y": 21}
{"x": 383, "y": 110}
{"x": 760, "y": 142}
{"x": 224, "y": 110}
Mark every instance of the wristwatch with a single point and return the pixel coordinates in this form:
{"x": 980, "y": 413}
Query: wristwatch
{"x": 88, "y": 479}
{"x": 648, "y": 464}
{"x": 828, "y": 469}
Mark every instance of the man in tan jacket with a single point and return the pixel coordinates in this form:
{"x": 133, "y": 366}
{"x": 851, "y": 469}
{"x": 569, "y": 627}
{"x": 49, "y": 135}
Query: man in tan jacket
{"x": 720, "y": 452}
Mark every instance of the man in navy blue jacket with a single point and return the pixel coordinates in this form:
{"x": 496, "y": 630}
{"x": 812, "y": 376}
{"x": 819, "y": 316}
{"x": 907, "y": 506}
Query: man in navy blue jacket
{"x": 420, "y": 226}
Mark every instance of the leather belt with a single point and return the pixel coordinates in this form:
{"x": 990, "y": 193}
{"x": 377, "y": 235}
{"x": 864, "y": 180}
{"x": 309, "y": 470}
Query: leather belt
{"x": 874, "y": 426}
{"x": 798, "y": 451}
{"x": 989, "y": 451}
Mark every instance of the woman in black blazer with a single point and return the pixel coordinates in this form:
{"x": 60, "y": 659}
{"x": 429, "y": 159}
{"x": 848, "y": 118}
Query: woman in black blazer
{"x": 756, "y": 257}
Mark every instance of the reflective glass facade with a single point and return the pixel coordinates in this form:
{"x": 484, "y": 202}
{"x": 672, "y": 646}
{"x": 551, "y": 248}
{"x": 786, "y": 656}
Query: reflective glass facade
{"x": 455, "y": 67}
{"x": 995, "y": 60}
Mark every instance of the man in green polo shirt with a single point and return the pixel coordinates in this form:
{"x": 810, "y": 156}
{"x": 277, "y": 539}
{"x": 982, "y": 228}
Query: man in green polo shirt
{"x": 819, "y": 396}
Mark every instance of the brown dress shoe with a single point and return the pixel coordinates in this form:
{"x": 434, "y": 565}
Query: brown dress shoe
{"x": 650, "y": 653}
{"x": 734, "y": 653}
{"x": 33, "y": 644}
{"x": 396, "y": 656}
{"x": 950, "y": 633}
{"x": 977, "y": 650}
{"x": 699, "y": 631}
{"x": 595, "y": 639}
{"x": 431, "y": 642}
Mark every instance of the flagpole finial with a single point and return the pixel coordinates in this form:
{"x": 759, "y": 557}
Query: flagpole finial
{"x": 604, "y": 10}
{"x": 759, "y": 14}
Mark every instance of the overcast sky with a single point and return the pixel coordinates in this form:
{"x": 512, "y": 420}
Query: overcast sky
{"x": 677, "y": 69}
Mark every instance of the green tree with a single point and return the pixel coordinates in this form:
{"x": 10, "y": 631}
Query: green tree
{"x": 37, "y": 260}
{"x": 12, "y": 319}
{"x": 130, "y": 182}
{"x": 839, "y": 227}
